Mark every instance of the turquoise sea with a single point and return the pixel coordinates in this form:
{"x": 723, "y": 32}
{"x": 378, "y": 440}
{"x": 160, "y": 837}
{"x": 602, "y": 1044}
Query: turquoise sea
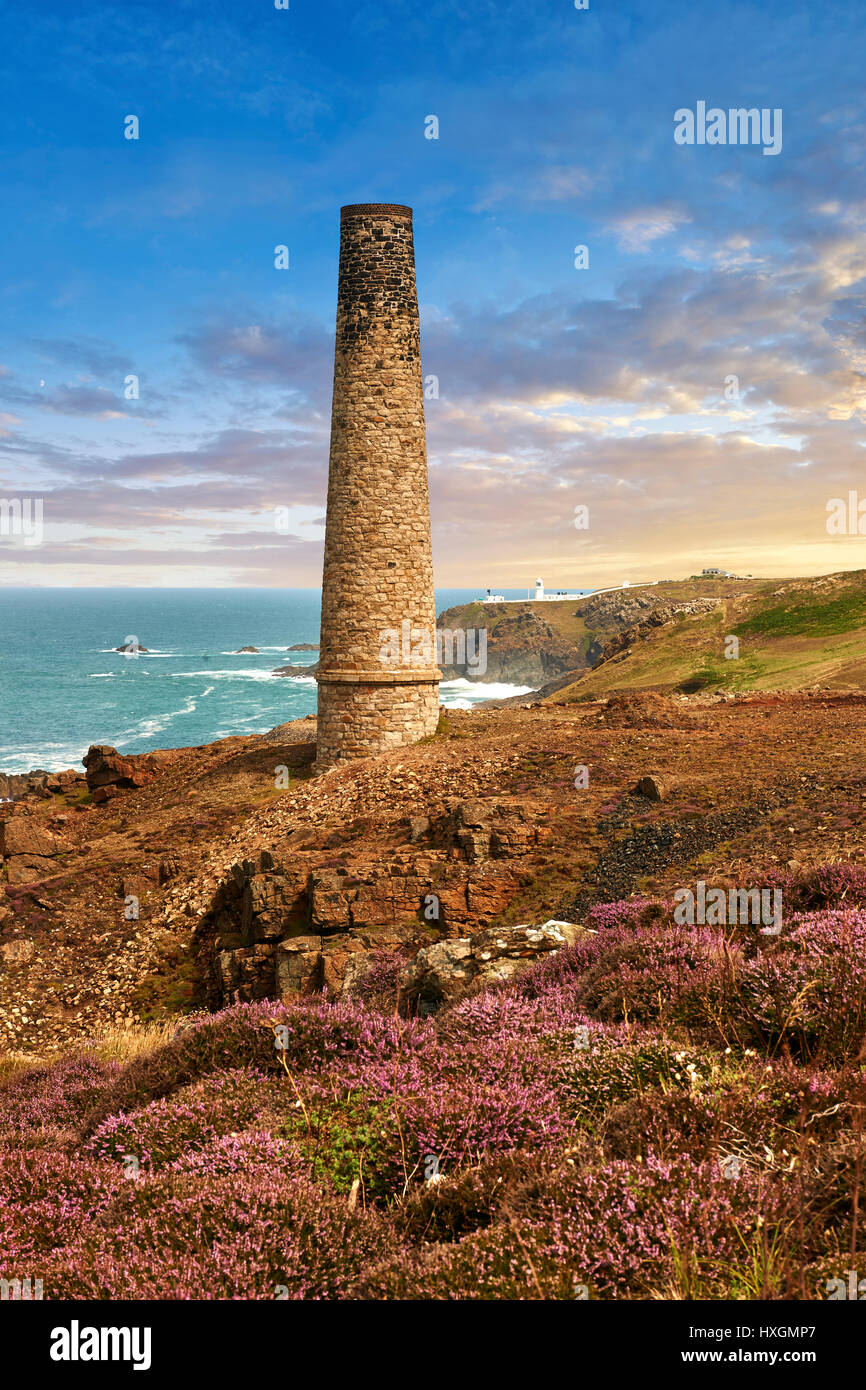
{"x": 63, "y": 686}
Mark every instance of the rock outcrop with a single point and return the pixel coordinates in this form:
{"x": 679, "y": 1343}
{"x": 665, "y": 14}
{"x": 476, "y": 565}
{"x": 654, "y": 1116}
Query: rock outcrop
{"x": 659, "y": 616}
{"x": 109, "y": 772}
{"x": 41, "y": 784}
{"x": 294, "y": 920}
{"x": 29, "y": 849}
{"x": 654, "y": 788}
{"x": 441, "y": 973}
{"x": 521, "y": 648}
{"x": 532, "y": 643}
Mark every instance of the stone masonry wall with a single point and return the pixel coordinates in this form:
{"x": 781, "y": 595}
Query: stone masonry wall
{"x": 361, "y": 719}
{"x": 378, "y": 570}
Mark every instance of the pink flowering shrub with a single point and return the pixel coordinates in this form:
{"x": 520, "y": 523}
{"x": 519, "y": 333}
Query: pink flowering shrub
{"x": 660, "y": 971}
{"x": 620, "y": 1230}
{"x": 238, "y": 1153}
{"x": 628, "y": 912}
{"x": 616, "y": 1067}
{"x": 319, "y": 1035}
{"x": 165, "y": 1130}
{"x": 46, "y": 1197}
{"x": 266, "y": 1234}
{"x": 808, "y": 992}
{"x": 49, "y": 1100}
{"x": 821, "y": 886}
{"x": 573, "y": 1127}
{"x": 463, "y": 1118}
{"x": 379, "y": 987}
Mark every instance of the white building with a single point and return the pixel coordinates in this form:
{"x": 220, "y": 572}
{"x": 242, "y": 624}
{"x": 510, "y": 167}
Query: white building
{"x": 540, "y": 594}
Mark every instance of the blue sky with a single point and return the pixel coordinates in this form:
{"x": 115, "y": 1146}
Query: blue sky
{"x": 559, "y": 387}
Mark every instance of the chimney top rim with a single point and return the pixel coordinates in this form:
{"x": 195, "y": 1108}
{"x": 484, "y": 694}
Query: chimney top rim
{"x": 351, "y": 209}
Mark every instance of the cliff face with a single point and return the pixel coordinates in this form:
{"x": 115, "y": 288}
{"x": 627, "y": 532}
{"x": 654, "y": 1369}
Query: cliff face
{"x": 536, "y": 643}
{"x": 519, "y": 646}
{"x": 657, "y": 617}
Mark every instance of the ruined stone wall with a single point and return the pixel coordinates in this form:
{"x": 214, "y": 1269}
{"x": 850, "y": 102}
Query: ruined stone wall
{"x": 378, "y": 570}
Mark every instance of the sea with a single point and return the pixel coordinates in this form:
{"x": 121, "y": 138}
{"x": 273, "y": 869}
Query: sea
{"x": 63, "y": 686}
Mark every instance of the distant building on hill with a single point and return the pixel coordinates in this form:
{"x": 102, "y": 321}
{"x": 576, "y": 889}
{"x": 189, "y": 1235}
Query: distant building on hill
{"x": 713, "y": 572}
{"x": 540, "y": 594}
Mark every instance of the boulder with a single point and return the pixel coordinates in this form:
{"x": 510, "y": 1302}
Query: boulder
{"x": 103, "y": 794}
{"x": 27, "y": 868}
{"x": 347, "y": 958}
{"x": 245, "y": 975}
{"x": 419, "y": 827}
{"x": 654, "y": 788}
{"x": 437, "y": 975}
{"x": 64, "y": 782}
{"x": 441, "y": 973}
{"x": 17, "y": 784}
{"x": 272, "y": 904}
{"x": 29, "y": 849}
{"x": 21, "y": 835}
{"x": 240, "y": 651}
{"x": 16, "y": 953}
{"x": 106, "y": 767}
{"x": 474, "y": 815}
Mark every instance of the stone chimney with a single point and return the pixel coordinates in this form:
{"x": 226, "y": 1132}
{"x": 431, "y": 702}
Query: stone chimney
{"x": 378, "y": 679}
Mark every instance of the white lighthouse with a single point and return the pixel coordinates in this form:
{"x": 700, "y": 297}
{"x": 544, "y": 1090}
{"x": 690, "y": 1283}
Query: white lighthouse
{"x": 539, "y": 588}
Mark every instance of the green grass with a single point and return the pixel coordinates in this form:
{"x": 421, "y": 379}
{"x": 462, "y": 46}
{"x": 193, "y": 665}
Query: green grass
{"x": 811, "y": 637}
{"x": 348, "y": 1138}
{"x": 808, "y": 618}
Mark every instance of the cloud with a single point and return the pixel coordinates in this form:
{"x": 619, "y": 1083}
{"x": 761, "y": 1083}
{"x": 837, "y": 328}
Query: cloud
{"x": 636, "y": 231}
{"x": 88, "y": 354}
{"x": 555, "y": 183}
{"x": 296, "y": 355}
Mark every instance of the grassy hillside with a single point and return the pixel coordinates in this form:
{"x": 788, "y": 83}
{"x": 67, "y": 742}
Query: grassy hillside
{"x": 792, "y": 634}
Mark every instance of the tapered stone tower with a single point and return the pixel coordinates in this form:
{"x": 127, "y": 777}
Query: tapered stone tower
{"x": 378, "y": 679}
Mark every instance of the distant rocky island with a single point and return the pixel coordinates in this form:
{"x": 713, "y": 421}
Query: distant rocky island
{"x": 296, "y": 670}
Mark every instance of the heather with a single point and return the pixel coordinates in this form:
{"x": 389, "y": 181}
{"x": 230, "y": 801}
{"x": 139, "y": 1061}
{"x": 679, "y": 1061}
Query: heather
{"x": 657, "y": 1111}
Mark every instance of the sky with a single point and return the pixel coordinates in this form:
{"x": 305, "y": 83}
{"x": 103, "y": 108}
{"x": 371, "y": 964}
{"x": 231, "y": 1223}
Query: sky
{"x": 697, "y": 385}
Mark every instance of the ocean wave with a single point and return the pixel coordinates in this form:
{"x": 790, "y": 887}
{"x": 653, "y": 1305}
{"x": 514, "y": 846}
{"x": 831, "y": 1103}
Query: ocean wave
{"x": 247, "y": 673}
{"x": 51, "y": 757}
{"x": 463, "y": 694}
{"x": 158, "y": 723}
